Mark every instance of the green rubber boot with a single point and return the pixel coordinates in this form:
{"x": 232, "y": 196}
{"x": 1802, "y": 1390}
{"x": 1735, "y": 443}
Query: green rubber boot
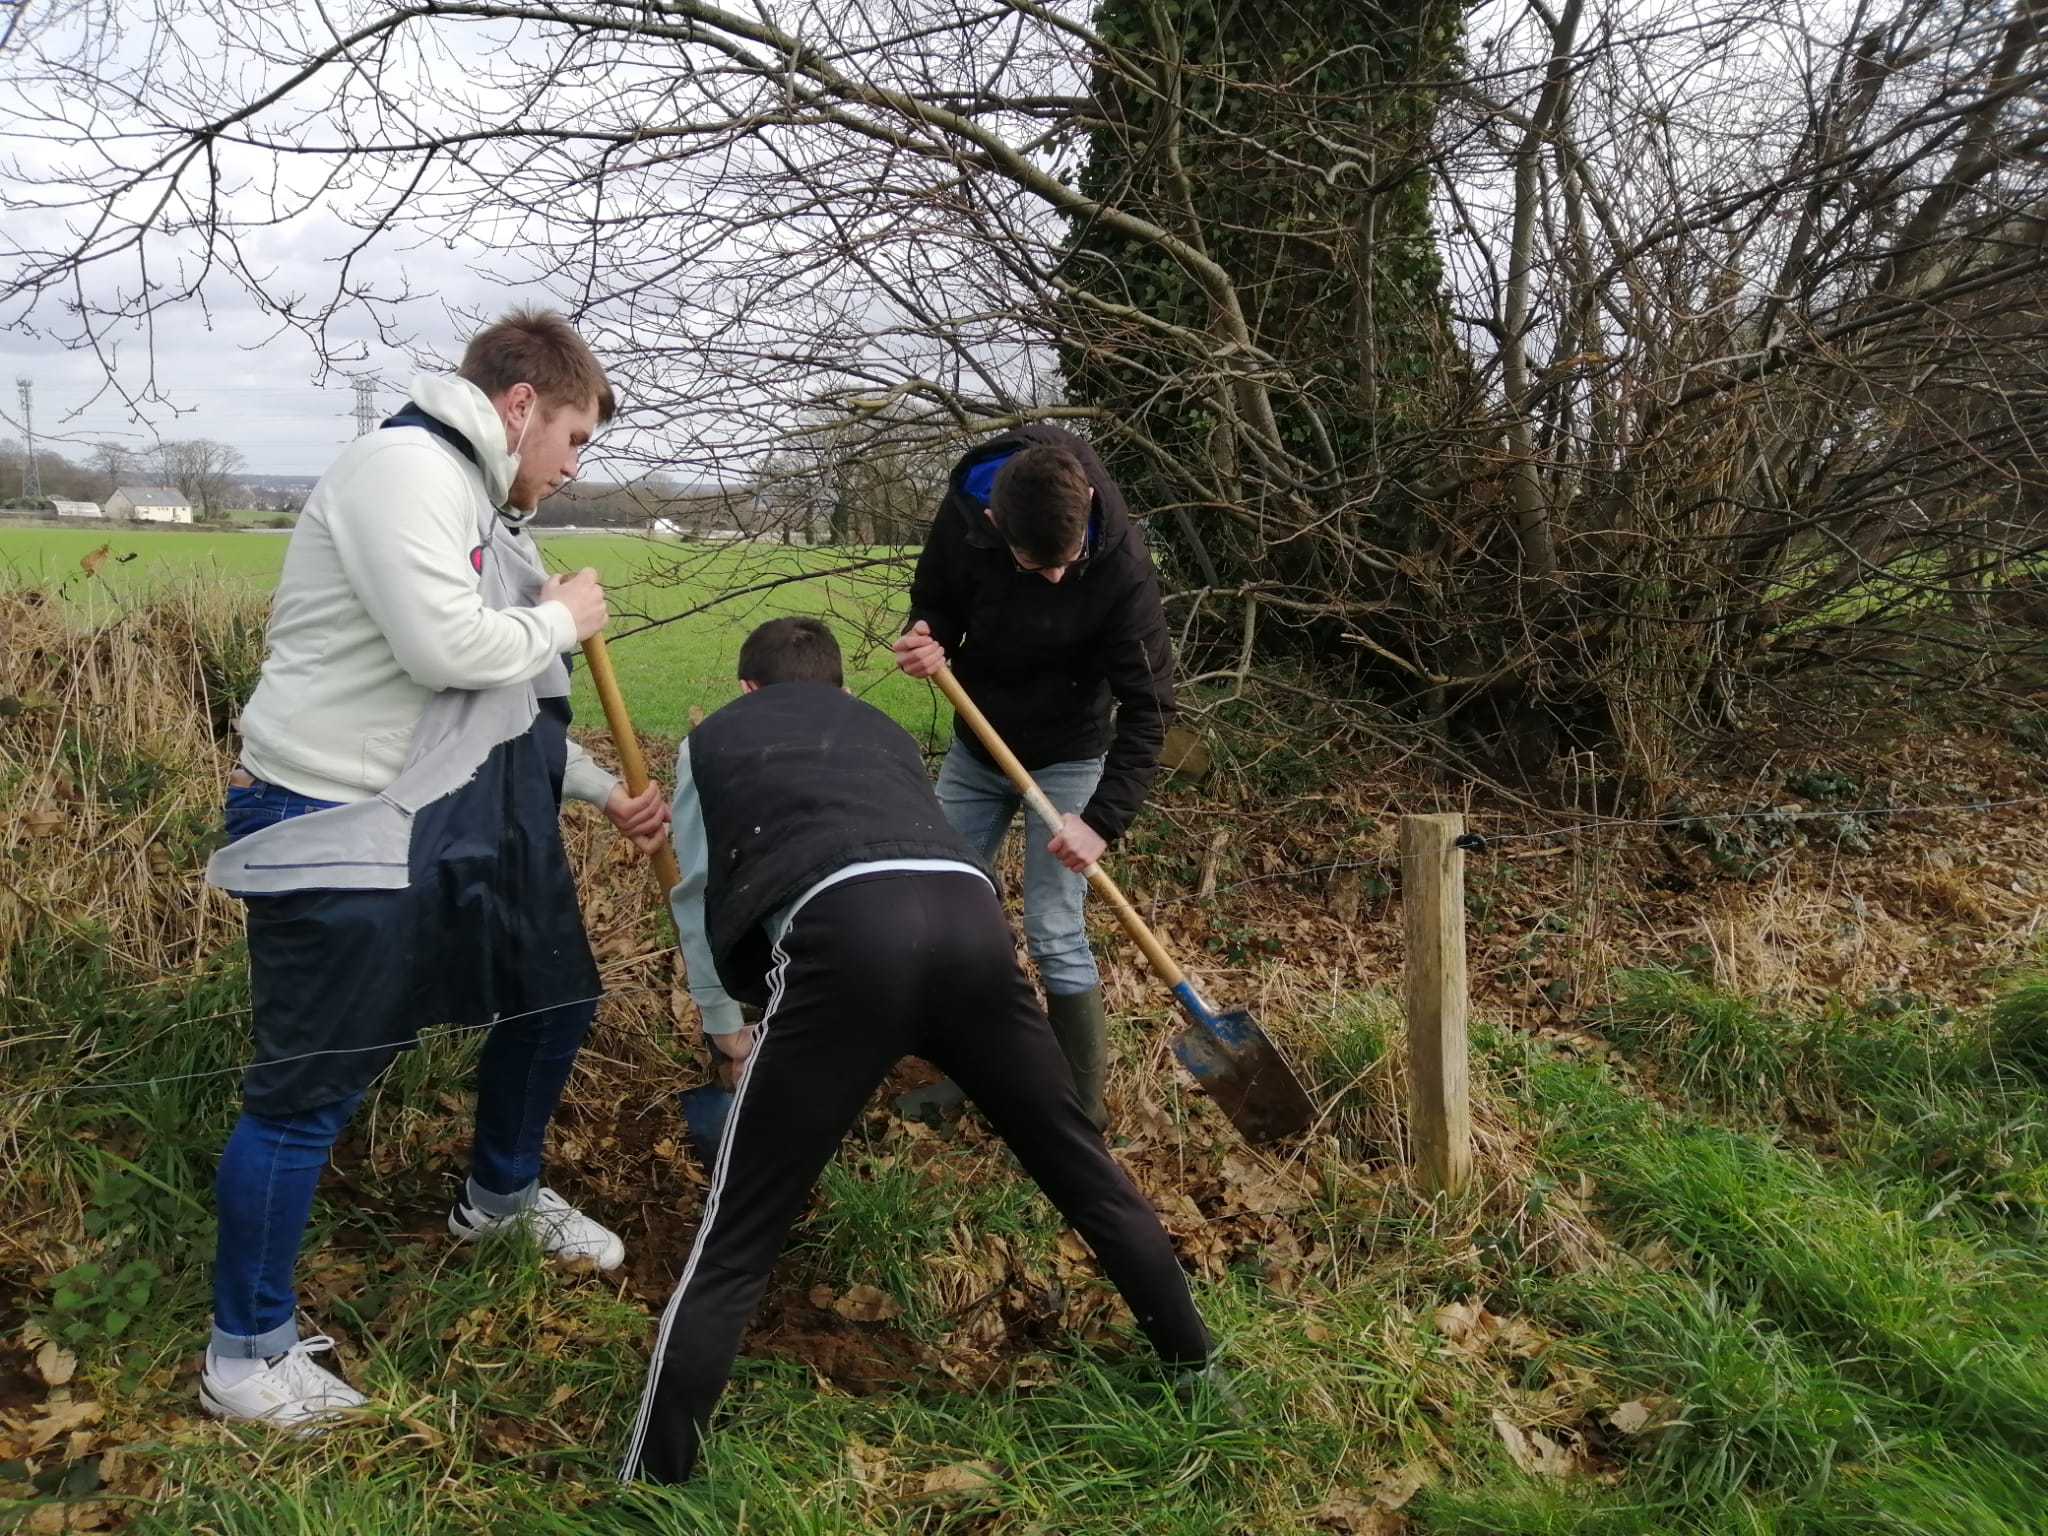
{"x": 1082, "y": 1029}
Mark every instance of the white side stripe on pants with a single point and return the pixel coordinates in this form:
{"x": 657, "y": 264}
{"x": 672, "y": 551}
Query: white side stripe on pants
{"x": 711, "y": 1200}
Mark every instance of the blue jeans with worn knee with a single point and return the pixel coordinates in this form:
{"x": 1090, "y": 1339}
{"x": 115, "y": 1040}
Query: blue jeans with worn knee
{"x": 980, "y": 803}
{"x": 271, "y": 1165}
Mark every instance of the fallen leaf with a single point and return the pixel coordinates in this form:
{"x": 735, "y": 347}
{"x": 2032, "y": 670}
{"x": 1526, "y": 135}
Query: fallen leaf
{"x": 1146, "y": 1120}
{"x": 1537, "y": 1453}
{"x": 61, "y": 1419}
{"x": 868, "y": 1465}
{"x": 1315, "y": 1333}
{"x": 1256, "y": 1187}
{"x": 1467, "y": 1324}
{"x": 1179, "y": 1211}
{"x": 866, "y": 1304}
{"x": 1473, "y": 1329}
{"x": 1358, "y": 1517}
{"x": 40, "y": 823}
{"x": 55, "y": 1364}
{"x": 1396, "y": 1488}
{"x": 1630, "y": 1418}
{"x": 561, "y": 1395}
{"x": 1645, "y": 1413}
{"x": 963, "y": 1479}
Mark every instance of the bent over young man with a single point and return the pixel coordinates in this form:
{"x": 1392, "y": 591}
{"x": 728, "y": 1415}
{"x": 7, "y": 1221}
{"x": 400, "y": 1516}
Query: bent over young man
{"x": 1036, "y": 583}
{"x": 821, "y": 881}
{"x": 394, "y": 830}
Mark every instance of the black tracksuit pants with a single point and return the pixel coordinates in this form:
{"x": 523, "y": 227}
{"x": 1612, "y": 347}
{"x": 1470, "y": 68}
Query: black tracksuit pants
{"x": 880, "y": 967}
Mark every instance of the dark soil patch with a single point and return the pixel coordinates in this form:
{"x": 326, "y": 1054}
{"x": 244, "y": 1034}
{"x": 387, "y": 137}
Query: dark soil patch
{"x": 862, "y": 1359}
{"x": 20, "y": 1387}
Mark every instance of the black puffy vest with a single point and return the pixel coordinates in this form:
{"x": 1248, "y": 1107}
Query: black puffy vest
{"x": 796, "y": 782}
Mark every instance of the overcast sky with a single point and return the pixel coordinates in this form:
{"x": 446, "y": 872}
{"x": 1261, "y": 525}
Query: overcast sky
{"x": 227, "y": 372}
{"x": 259, "y": 398}
{"x": 219, "y": 368}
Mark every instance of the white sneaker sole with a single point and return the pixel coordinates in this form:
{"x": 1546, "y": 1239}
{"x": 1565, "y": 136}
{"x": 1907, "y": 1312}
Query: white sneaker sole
{"x": 611, "y": 1258}
{"x": 317, "y": 1423}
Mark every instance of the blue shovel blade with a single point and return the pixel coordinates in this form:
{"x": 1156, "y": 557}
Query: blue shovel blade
{"x": 705, "y": 1110}
{"x": 1239, "y": 1067}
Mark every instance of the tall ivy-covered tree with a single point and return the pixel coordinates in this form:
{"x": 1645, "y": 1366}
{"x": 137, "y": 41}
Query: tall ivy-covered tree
{"x": 1283, "y": 147}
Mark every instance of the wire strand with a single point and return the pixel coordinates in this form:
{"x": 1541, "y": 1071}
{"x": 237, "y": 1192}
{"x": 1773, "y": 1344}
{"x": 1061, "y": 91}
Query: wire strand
{"x": 441, "y": 1032}
{"x": 1483, "y": 842}
{"x": 1476, "y": 842}
{"x": 1801, "y": 814}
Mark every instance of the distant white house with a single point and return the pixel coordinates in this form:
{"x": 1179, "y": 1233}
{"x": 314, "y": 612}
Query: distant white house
{"x": 149, "y": 504}
{"x": 75, "y": 508}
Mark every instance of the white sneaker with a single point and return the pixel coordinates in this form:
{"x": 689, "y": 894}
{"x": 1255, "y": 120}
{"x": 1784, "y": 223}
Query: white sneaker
{"x": 562, "y": 1230}
{"x": 289, "y": 1391}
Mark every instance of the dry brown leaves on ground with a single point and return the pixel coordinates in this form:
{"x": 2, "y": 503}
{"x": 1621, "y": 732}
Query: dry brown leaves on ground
{"x": 1375, "y": 1511}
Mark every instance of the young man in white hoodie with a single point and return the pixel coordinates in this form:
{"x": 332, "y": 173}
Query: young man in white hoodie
{"x": 394, "y": 830}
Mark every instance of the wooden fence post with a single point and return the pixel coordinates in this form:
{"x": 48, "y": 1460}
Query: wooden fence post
{"x": 1433, "y": 920}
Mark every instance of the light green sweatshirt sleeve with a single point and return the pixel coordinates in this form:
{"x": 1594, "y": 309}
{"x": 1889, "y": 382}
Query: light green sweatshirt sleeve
{"x": 686, "y": 904}
{"x": 583, "y": 779}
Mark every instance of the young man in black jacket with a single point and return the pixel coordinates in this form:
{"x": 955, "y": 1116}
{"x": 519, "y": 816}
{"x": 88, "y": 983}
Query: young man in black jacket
{"x": 821, "y": 882}
{"x": 1035, "y": 583}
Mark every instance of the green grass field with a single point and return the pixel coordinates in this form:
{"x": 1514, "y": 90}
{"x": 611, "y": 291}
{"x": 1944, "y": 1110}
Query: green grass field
{"x": 670, "y": 664}
{"x": 1731, "y": 1267}
{"x": 1762, "y": 1338}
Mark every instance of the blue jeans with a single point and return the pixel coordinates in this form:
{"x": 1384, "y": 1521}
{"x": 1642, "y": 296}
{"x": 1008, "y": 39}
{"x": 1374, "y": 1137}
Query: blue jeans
{"x": 271, "y": 1166}
{"x": 980, "y": 803}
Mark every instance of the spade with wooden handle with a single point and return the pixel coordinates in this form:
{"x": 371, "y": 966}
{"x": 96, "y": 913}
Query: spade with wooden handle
{"x": 606, "y": 681}
{"x": 707, "y": 1106}
{"x": 1227, "y": 1053}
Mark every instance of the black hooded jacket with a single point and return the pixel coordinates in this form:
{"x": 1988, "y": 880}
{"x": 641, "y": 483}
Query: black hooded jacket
{"x": 1047, "y": 660}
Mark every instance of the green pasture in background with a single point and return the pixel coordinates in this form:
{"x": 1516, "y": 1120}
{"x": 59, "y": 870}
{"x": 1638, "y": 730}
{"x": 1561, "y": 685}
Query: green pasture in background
{"x": 664, "y": 667}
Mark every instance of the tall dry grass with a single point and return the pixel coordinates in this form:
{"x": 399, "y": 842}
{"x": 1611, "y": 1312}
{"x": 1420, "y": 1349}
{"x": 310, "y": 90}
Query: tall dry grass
{"x": 113, "y": 758}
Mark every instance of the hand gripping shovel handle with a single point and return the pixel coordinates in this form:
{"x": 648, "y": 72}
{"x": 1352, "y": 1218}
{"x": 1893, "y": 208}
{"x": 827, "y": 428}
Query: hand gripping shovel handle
{"x": 1106, "y": 888}
{"x": 1228, "y": 1054}
{"x": 706, "y": 1107}
{"x": 606, "y": 681}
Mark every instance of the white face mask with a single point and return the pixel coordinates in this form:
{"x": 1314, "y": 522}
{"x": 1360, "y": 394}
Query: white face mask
{"x": 520, "y": 440}
{"x": 512, "y": 454}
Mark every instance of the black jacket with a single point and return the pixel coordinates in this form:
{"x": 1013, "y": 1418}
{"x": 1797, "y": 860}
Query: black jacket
{"x": 774, "y": 792}
{"x": 1046, "y": 660}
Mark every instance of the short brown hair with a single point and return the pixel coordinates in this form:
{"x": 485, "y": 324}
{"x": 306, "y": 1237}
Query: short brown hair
{"x": 1041, "y": 499}
{"x": 792, "y": 650}
{"x": 537, "y": 347}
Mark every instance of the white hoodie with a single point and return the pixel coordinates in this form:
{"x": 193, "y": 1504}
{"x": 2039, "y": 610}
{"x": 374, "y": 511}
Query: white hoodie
{"x": 380, "y": 605}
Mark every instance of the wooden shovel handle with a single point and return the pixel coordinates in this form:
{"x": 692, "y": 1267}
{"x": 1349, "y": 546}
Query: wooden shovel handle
{"x": 606, "y": 681}
{"x": 1019, "y": 775}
